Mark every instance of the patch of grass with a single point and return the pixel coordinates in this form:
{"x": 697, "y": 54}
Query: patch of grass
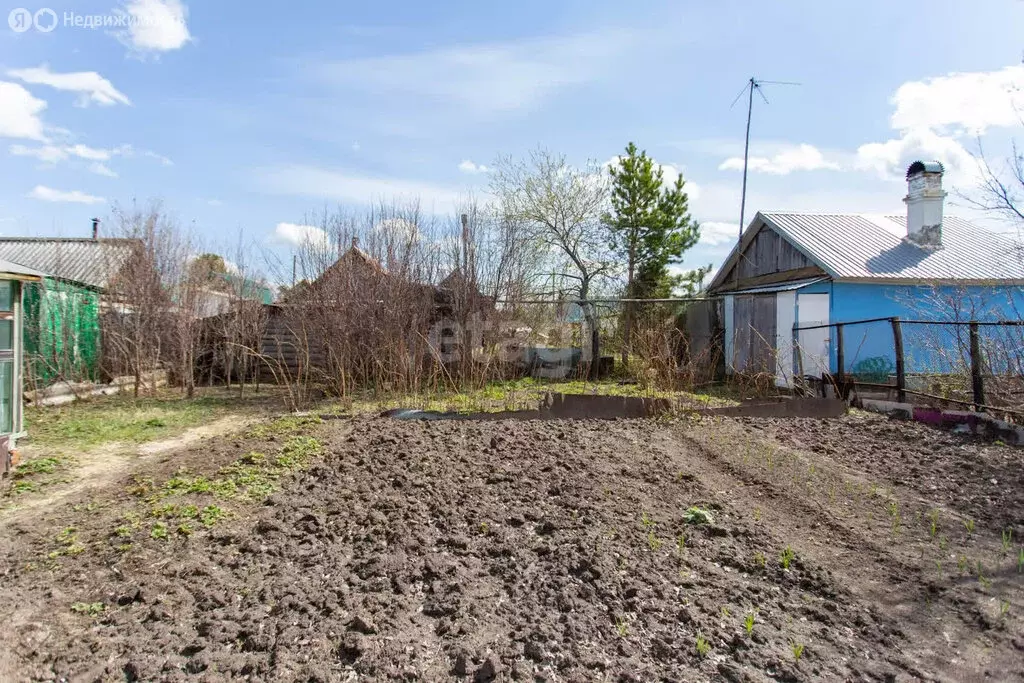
{"x": 760, "y": 560}
{"x": 20, "y": 487}
{"x": 158, "y": 531}
{"x": 89, "y": 423}
{"x": 93, "y": 609}
{"x": 797, "y": 649}
{"x": 46, "y": 465}
{"x": 622, "y": 627}
{"x": 703, "y": 646}
{"x": 969, "y": 525}
{"x": 653, "y": 542}
{"x": 748, "y": 623}
{"x": 211, "y": 514}
{"x": 786, "y": 557}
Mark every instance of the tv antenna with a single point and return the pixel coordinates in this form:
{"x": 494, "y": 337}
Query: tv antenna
{"x": 752, "y": 85}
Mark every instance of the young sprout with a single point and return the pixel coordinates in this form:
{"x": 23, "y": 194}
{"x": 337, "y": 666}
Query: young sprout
{"x": 681, "y": 543}
{"x": 934, "y": 517}
{"x": 725, "y": 611}
{"x": 938, "y": 565}
{"x": 622, "y": 627}
{"x": 748, "y": 623}
{"x": 1020, "y": 560}
{"x": 653, "y": 541}
{"x": 969, "y": 525}
{"x": 646, "y": 521}
{"x": 759, "y": 559}
{"x": 1004, "y": 607}
{"x": 703, "y": 646}
{"x": 961, "y": 564}
{"x": 1007, "y": 539}
{"x": 786, "y": 557}
{"x": 757, "y": 514}
{"x": 797, "y": 649}
{"x": 943, "y": 542}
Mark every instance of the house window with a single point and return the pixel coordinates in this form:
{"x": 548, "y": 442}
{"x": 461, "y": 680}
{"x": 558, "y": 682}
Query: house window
{"x": 6, "y": 295}
{"x": 6, "y": 396}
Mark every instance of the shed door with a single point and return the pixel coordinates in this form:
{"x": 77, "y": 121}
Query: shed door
{"x": 812, "y": 309}
{"x": 754, "y": 322}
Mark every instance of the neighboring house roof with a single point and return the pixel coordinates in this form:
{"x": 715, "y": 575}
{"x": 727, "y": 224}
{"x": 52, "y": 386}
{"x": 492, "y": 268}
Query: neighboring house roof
{"x": 874, "y": 248}
{"x": 18, "y": 271}
{"x": 89, "y": 262}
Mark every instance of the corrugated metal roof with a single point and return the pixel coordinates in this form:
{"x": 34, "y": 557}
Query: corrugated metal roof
{"x": 85, "y": 261}
{"x": 867, "y": 247}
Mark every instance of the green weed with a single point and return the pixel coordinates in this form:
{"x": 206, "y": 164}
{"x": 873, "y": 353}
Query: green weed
{"x": 1020, "y": 561}
{"x": 748, "y": 623}
{"x": 797, "y": 649}
{"x": 622, "y": 627}
{"x": 933, "y": 517}
{"x": 93, "y": 609}
{"x": 760, "y": 560}
{"x": 653, "y": 542}
{"x": 703, "y": 646}
{"x": 1007, "y": 535}
{"x": 681, "y": 543}
{"x": 646, "y": 521}
{"x": 158, "y": 531}
{"x": 969, "y": 525}
{"x": 211, "y": 514}
{"x": 1004, "y": 607}
{"x": 786, "y": 557}
{"x": 697, "y": 515}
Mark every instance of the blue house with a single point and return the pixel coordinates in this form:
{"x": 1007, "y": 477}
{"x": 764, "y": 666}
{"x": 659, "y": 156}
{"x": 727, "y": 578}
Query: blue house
{"x": 815, "y": 269}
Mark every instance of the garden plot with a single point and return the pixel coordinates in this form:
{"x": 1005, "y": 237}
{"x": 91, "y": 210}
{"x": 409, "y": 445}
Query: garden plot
{"x": 374, "y": 549}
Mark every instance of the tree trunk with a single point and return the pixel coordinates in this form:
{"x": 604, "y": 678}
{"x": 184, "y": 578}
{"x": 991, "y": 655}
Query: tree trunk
{"x": 590, "y": 315}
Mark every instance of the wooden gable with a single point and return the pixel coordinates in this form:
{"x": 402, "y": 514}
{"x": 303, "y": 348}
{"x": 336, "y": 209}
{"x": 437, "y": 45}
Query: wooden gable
{"x": 767, "y": 258}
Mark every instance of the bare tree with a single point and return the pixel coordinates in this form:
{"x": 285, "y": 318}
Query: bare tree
{"x": 1001, "y": 190}
{"x": 560, "y": 207}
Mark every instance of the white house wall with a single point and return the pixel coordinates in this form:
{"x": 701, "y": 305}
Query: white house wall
{"x": 785, "y": 311}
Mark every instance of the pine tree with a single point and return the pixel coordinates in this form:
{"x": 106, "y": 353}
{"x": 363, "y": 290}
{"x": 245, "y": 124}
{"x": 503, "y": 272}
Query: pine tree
{"x": 651, "y": 229}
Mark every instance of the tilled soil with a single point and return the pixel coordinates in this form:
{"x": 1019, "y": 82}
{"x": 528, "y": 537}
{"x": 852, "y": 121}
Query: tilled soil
{"x": 556, "y": 551}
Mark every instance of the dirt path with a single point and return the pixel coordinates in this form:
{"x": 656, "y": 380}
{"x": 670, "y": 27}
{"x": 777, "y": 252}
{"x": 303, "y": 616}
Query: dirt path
{"x": 97, "y": 467}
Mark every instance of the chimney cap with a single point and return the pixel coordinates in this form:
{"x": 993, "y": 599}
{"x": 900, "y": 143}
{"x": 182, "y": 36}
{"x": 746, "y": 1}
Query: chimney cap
{"x": 924, "y": 167}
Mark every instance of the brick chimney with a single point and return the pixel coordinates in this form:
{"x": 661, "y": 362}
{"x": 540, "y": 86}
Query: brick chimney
{"x": 924, "y": 201}
{"x": 95, "y": 228}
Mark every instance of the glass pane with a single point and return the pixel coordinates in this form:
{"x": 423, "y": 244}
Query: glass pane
{"x": 6, "y": 335}
{"x": 6, "y": 394}
{"x": 6, "y": 295}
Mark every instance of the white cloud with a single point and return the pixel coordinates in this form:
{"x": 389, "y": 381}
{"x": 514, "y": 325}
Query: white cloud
{"x": 99, "y": 168}
{"x": 715, "y": 233}
{"x": 156, "y": 25}
{"x": 52, "y": 154}
{"x": 891, "y": 158}
{"x": 971, "y": 102}
{"x": 160, "y": 158}
{"x": 467, "y": 166}
{"x": 933, "y": 115}
{"x": 802, "y": 157}
{"x": 19, "y": 115}
{"x": 90, "y": 86}
{"x": 310, "y": 181}
{"x": 486, "y": 78}
{"x": 301, "y": 235}
{"x": 48, "y": 194}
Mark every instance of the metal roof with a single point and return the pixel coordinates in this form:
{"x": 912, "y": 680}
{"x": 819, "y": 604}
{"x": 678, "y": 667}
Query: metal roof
{"x": 19, "y": 271}
{"x": 874, "y": 248}
{"x": 780, "y": 287}
{"x": 85, "y": 261}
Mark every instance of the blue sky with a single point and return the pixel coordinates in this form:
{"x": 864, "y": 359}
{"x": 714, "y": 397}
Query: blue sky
{"x": 244, "y": 116}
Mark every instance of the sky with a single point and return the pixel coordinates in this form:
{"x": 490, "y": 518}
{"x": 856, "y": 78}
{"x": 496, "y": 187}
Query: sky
{"x": 242, "y": 118}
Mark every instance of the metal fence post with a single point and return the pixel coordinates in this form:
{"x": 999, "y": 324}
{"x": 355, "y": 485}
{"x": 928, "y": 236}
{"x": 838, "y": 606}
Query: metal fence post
{"x": 901, "y": 375}
{"x": 977, "y": 380}
{"x": 840, "y": 361}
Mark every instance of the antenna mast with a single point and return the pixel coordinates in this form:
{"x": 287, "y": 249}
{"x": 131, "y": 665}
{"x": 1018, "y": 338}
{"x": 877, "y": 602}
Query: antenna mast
{"x": 752, "y": 85}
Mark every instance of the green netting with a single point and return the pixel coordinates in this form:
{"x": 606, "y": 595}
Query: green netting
{"x": 61, "y": 332}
